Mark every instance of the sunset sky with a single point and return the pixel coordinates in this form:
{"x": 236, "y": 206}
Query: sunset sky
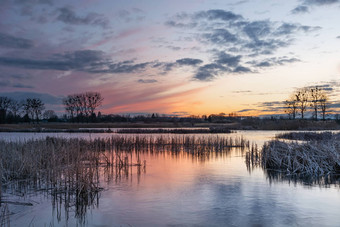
{"x": 170, "y": 57}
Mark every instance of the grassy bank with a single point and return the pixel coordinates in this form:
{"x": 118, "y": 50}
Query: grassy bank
{"x": 245, "y": 124}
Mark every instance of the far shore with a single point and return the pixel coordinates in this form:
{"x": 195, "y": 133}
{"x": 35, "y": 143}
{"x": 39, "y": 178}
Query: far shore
{"x": 111, "y": 127}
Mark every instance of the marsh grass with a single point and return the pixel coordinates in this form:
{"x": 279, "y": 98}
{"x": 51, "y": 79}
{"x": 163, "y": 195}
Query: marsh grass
{"x": 69, "y": 170}
{"x": 306, "y": 136}
{"x": 317, "y": 160}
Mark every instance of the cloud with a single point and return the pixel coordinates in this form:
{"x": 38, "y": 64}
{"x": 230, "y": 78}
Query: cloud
{"x": 304, "y": 7}
{"x": 147, "y": 81}
{"x": 68, "y": 16}
{"x": 91, "y": 61}
{"x": 300, "y": 9}
{"x": 128, "y": 15}
{"x": 217, "y": 14}
{"x": 275, "y": 61}
{"x": 240, "y": 41}
{"x": 227, "y": 59}
{"x": 241, "y": 91}
{"x": 189, "y": 61}
{"x": 246, "y": 110}
{"x": 320, "y": 2}
{"x": 9, "y": 84}
{"x": 10, "y": 41}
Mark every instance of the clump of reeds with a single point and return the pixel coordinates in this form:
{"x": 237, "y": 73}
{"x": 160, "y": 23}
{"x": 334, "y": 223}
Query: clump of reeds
{"x": 306, "y": 136}
{"x": 4, "y": 216}
{"x": 306, "y": 159}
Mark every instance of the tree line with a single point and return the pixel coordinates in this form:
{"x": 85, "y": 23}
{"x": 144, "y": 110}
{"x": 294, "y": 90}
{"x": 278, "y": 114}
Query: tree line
{"x": 314, "y": 99}
{"x": 28, "y": 110}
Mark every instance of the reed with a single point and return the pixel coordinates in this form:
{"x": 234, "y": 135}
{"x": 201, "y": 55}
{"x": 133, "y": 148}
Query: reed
{"x": 69, "y": 170}
{"x": 306, "y": 136}
{"x": 306, "y": 159}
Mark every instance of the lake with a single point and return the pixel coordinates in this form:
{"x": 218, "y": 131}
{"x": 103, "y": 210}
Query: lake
{"x": 186, "y": 190}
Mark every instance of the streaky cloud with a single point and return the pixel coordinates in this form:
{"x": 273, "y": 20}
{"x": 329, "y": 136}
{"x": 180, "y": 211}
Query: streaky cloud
{"x": 9, "y": 41}
{"x": 68, "y": 16}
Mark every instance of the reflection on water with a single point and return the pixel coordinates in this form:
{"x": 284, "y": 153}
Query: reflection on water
{"x": 180, "y": 188}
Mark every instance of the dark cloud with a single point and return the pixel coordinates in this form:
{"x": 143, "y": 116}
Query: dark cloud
{"x": 90, "y": 61}
{"x": 220, "y": 36}
{"x": 304, "y": 7}
{"x": 320, "y": 2}
{"x": 9, "y": 84}
{"x": 10, "y": 41}
{"x": 147, "y": 81}
{"x": 228, "y": 60}
{"x": 242, "y": 69}
{"x": 246, "y": 39}
{"x": 189, "y": 61}
{"x": 126, "y": 67}
{"x": 209, "y": 72}
{"x": 217, "y": 14}
{"x": 275, "y": 61}
{"x": 34, "y": 2}
{"x": 300, "y": 9}
{"x": 68, "y": 16}
{"x": 246, "y": 110}
{"x": 338, "y": 37}
{"x": 222, "y": 63}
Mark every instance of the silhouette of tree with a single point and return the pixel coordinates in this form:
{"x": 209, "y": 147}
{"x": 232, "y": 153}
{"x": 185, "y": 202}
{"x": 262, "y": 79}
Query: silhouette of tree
{"x": 315, "y": 96}
{"x": 323, "y": 104}
{"x": 33, "y": 107}
{"x": 302, "y": 98}
{"x": 4, "y": 105}
{"x": 291, "y": 107}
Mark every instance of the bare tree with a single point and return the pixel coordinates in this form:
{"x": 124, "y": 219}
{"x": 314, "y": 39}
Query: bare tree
{"x": 315, "y": 96}
{"x": 4, "y": 105}
{"x": 83, "y": 104}
{"x": 49, "y": 115}
{"x": 33, "y": 107}
{"x": 291, "y": 107}
{"x": 15, "y": 107}
{"x": 323, "y": 104}
{"x": 302, "y": 98}
{"x": 94, "y": 100}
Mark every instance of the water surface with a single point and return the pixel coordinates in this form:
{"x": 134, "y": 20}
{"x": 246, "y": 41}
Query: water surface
{"x": 186, "y": 190}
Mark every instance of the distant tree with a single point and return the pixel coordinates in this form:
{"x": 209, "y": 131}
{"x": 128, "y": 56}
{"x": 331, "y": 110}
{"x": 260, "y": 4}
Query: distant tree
{"x": 33, "y": 108}
{"x": 323, "y": 104}
{"x": 93, "y": 100}
{"x": 302, "y": 98}
{"x": 4, "y": 105}
{"x": 315, "y": 98}
{"x": 291, "y": 107}
{"x": 82, "y": 105}
{"x": 50, "y": 115}
{"x": 15, "y": 107}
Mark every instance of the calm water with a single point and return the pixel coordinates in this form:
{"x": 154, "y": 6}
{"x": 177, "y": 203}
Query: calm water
{"x": 183, "y": 190}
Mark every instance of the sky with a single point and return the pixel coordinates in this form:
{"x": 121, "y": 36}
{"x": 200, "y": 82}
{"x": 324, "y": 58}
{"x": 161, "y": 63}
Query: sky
{"x": 189, "y": 57}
